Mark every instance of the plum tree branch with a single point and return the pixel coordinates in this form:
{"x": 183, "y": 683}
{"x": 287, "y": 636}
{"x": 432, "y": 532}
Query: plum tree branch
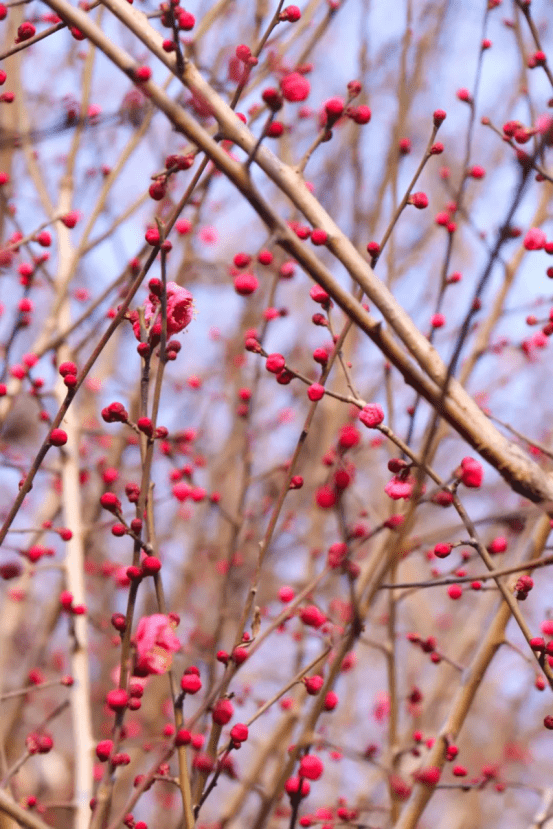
{"x": 522, "y": 474}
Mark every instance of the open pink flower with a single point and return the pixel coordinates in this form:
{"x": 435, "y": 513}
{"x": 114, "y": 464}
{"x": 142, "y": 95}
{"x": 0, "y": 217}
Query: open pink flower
{"x": 180, "y": 305}
{"x": 398, "y": 488}
{"x": 156, "y": 642}
{"x": 179, "y": 308}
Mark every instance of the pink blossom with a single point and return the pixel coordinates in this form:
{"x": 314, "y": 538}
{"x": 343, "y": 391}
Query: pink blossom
{"x": 398, "y": 488}
{"x": 535, "y": 239}
{"x": 179, "y": 310}
{"x": 155, "y": 643}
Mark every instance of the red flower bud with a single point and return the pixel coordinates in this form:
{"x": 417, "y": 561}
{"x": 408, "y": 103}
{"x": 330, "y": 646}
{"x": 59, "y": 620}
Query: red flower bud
{"x": 58, "y": 437}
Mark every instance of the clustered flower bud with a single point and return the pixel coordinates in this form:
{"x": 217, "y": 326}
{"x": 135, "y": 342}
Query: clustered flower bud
{"x": 115, "y": 413}
{"x": 418, "y": 200}
{"x": 245, "y": 284}
{"x": 291, "y": 13}
{"x": 535, "y": 239}
{"x": 25, "y": 32}
{"x": 523, "y": 587}
{"x": 58, "y": 437}
{"x": 470, "y": 472}
{"x": 239, "y": 734}
{"x": 190, "y": 683}
{"x": 311, "y": 767}
{"x": 371, "y": 415}
{"x": 442, "y": 549}
{"x": 295, "y": 87}
{"x": 222, "y": 711}
{"x": 272, "y": 98}
{"x": 313, "y": 684}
